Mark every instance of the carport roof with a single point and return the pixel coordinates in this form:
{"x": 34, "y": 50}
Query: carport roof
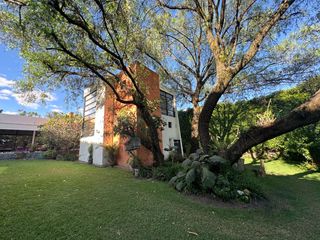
{"x": 21, "y": 123}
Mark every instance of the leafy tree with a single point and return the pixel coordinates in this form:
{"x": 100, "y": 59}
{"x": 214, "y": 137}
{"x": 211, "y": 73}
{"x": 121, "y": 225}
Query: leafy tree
{"x": 237, "y": 33}
{"x": 74, "y": 43}
{"x": 298, "y": 145}
{"x": 62, "y": 131}
{"x": 186, "y": 62}
{"x": 29, "y": 114}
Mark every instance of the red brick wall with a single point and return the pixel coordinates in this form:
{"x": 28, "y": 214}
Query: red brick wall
{"x": 149, "y": 81}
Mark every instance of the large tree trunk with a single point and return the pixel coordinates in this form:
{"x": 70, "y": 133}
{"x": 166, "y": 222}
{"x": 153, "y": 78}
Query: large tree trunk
{"x": 195, "y": 119}
{"x": 305, "y": 114}
{"x": 153, "y": 135}
{"x": 224, "y": 77}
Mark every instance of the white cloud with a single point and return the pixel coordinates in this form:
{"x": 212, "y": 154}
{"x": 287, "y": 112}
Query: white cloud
{"x": 33, "y": 99}
{"x": 4, "y": 97}
{"x": 5, "y": 94}
{"x": 57, "y": 110}
{"x": 9, "y": 112}
{"x": 54, "y": 106}
{"x": 6, "y": 83}
{"x": 6, "y": 91}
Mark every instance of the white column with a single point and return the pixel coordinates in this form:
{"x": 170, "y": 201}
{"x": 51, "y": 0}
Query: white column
{"x": 33, "y": 138}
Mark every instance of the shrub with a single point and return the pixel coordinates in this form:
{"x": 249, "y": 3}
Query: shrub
{"x": 50, "y": 154}
{"x": 166, "y": 171}
{"x": 90, "y": 151}
{"x": 145, "y": 172}
{"x": 175, "y": 157}
{"x": 315, "y": 153}
{"x": 198, "y": 173}
{"x": 111, "y": 154}
{"x": 213, "y": 175}
{"x": 61, "y": 131}
{"x": 70, "y": 156}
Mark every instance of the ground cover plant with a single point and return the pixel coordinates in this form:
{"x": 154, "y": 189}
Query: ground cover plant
{"x": 67, "y": 200}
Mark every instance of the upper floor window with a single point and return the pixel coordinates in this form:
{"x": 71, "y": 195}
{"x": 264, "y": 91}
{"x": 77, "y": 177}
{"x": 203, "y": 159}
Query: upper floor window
{"x": 166, "y": 104}
{"x": 89, "y": 113}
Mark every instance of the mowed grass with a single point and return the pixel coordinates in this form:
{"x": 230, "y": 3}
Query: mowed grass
{"x": 65, "y": 200}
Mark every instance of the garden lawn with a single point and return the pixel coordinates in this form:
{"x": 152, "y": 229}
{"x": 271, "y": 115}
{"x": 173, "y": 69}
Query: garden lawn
{"x": 64, "y": 200}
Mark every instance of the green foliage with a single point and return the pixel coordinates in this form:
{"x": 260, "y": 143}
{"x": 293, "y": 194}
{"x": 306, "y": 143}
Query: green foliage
{"x": 61, "y": 131}
{"x": 70, "y": 156}
{"x": 166, "y": 171}
{"x": 226, "y": 123}
{"x": 126, "y": 123}
{"x": 230, "y": 119}
{"x": 212, "y": 174}
{"x": 90, "y": 151}
{"x": 50, "y": 154}
{"x": 111, "y": 154}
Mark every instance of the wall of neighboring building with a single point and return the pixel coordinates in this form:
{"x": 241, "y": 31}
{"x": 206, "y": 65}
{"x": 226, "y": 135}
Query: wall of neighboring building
{"x": 97, "y": 139}
{"x": 170, "y": 134}
{"x": 18, "y": 122}
{"x": 107, "y": 111}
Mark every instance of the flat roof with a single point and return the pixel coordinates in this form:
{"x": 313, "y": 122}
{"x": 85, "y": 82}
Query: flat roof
{"x": 22, "y": 123}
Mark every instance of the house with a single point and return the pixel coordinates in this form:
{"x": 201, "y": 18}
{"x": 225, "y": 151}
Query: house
{"x": 101, "y": 111}
{"x": 17, "y": 127}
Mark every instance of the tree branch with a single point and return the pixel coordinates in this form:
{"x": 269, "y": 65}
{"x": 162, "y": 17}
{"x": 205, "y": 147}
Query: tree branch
{"x": 254, "y": 47}
{"x": 307, "y": 113}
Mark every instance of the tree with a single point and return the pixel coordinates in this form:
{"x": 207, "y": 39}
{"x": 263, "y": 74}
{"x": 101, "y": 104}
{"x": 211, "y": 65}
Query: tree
{"x": 187, "y": 63}
{"x": 236, "y": 31}
{"x": 62, "y": 131}
{"x": 29, "y": 114}
{"x": 75, "y": 43}
{"x": 305, "y": 114}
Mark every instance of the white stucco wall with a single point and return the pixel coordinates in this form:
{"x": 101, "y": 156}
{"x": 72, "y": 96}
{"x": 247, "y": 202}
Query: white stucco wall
{"x": 173, "y": 133}
{"x": 168, "y": 134}
{"x": 97, "y": 139}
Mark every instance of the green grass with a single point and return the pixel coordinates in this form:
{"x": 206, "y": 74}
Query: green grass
{"x": 65, "y": 200}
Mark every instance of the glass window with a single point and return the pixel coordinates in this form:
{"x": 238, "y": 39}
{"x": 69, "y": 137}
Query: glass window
{"x": 177, "y": 146}
{"x": 89, "y": 114}
{"x": 166, "y": 104}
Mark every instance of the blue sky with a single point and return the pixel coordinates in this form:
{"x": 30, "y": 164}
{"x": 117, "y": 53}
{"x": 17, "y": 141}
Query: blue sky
{"x": 11, "y": 70}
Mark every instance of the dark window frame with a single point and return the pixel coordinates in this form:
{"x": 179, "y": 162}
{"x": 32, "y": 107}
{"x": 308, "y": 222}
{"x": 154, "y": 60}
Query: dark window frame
{"x": 167, "y": 104}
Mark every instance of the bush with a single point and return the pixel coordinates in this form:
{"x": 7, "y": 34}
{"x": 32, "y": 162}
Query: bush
{"x": 294, "y": 156}
{"x": 69, "y": 157}
{"x": 90, "y": 151}
{"x": 213, "y": 175}
{"x": 145, "y": 172}
{"x": 111, "y": 154}
{"x": 167, "y": 171}
{"x": 50, "y": 154}
{"x": 315, "y": 153}
{"x": 198, "y": 174}
{"x": 61, "y": 132}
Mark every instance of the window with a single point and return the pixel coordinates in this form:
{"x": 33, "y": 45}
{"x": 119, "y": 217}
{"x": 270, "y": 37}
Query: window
{"x": 166, "y": 104}
{"x": 169, "y": 124}
{"x": 89, "y": 114}
{"x": 177, "y": 146}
